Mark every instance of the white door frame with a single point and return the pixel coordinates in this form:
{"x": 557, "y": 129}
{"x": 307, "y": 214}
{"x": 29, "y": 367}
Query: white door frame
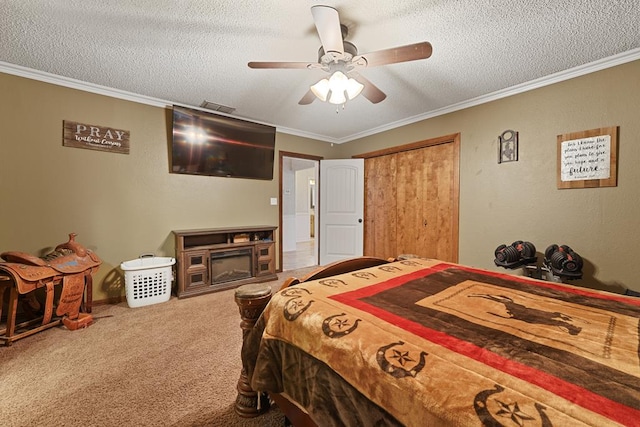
{"x": 281, "y": 156}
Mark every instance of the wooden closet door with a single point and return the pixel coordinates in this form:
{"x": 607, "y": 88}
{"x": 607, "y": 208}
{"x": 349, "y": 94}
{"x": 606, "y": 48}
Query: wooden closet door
{"x": 438, "y": 203}
{"x": 410, "y": 188}
{"x": 429, "y": 208}
{"x": 411, "y": 200}
{"x": 380, "y": 206}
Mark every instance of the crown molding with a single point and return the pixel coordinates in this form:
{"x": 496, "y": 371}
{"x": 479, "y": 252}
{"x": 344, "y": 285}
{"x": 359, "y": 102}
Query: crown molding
{"x": 612, "y": 61}
{"x": 55, "y": 79}
{"x": 592, "y": 67}
{"x": 68, "y": 82}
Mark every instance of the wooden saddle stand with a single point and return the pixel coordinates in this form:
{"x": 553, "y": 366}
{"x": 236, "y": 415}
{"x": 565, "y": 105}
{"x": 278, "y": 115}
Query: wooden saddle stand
{"x": 70, "y": 265}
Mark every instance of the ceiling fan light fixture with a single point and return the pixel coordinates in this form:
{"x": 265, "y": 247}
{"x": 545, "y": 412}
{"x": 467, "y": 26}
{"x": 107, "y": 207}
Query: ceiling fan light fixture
{"x": 337, "y": 97}
{"x": 354, "y": 88}
{"x": 321, "y": 89}
{"x": 337, "y": 88}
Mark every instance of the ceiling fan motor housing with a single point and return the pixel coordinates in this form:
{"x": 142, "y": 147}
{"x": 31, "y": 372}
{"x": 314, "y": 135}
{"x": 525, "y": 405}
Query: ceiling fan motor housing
{"x": 350, "y": 50}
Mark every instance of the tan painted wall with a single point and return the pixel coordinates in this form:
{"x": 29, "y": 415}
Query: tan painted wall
{"x": 120, "y": 205}
{"x": 501, "y": 203}
{"x": 125, "y": 205}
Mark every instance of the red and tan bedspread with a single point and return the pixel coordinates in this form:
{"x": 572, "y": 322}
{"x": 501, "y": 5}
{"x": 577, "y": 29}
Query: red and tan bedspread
{"x": 422, "y": 342}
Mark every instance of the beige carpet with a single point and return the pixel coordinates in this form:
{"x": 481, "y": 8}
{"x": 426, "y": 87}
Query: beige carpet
{"x": 170, "y": 364}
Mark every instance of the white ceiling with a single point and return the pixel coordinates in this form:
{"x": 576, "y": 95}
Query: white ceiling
{"x": 187, "y": 51}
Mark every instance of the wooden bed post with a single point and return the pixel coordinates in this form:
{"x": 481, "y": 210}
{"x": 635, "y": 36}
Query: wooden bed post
{"x": 251, "y": 300}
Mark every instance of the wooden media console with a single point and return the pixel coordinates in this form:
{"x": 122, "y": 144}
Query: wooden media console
{"x": 210, "y": 260}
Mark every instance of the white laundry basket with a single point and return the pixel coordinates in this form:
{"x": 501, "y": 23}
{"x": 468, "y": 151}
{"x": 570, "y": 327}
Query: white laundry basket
{"x": 148, "y": 279}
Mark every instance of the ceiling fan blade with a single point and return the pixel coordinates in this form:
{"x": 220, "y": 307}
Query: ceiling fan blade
{"x": 394, "y": 55}
{"x": 258, "y": 64}
{"x": 308, "y": 98}
{"x": 370, "y": 91}
{"x": 328, "y": 25}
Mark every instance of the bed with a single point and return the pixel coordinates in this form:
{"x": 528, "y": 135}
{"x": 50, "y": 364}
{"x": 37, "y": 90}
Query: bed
{"x": 421, "y": 342}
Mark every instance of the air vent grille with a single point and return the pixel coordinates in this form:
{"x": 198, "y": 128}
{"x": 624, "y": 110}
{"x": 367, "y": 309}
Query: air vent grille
{"x": 217, "y": 107}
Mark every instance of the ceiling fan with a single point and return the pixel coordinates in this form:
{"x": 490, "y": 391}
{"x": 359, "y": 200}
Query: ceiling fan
{"x": 340, "y": 59}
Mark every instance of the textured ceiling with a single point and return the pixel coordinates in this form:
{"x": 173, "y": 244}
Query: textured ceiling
{"x": 188, "y": 51}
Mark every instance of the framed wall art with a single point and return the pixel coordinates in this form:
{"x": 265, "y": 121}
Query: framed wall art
{"x": 95, "y": 137}
{"x": 508, "y": 146}
{"x": 588, "y": 159}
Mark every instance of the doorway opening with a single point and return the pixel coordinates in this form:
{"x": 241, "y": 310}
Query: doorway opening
{"x": 299, "y": 176}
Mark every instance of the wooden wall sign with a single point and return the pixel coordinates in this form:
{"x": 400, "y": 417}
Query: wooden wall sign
{"x": 95, "y": 137}
{"x": 588, "y": 159}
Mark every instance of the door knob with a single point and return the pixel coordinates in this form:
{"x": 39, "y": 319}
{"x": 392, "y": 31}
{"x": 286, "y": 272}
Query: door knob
{"x": 360, "y": 220}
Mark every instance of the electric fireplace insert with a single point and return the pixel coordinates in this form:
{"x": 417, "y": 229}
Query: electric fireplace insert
{"x": 230, "y": 265}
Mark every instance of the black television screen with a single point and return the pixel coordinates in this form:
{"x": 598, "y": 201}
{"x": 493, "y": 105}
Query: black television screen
{"x": 209, "y": 144}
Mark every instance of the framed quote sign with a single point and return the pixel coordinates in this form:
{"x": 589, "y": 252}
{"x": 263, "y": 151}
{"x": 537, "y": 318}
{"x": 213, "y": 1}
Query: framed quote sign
{"x": 95, "y": 137}
{"x": 588, "y": 159}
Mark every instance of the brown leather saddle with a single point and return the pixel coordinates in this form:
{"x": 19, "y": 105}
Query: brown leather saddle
{"x": 70, "y": 264}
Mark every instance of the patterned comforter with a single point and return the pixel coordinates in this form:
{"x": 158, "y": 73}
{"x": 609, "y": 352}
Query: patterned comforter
{"x": 427, "y": 343}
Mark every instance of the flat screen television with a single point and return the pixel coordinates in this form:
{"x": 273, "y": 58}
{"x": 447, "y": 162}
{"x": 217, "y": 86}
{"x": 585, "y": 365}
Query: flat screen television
{"x": 209, "y": 144}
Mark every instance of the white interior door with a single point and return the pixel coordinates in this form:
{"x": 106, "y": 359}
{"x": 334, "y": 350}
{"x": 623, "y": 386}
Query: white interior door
{"x": 341, "y": 209}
